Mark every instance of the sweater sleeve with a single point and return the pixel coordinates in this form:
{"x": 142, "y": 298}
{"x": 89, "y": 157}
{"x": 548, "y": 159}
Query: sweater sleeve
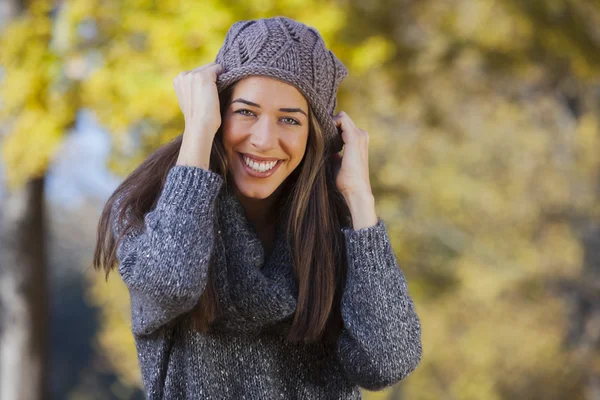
{"x": 380, "y": 343}
{"x": 165, "y": 264}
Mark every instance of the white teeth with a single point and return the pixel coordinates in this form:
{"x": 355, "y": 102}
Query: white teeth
{"x": 259, "y": 167}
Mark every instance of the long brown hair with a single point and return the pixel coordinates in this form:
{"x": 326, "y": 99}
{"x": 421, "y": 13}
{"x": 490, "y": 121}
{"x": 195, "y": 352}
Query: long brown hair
{"x": 316, "y": 214}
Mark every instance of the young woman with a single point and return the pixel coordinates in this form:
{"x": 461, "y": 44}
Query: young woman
{"x": 256, "y": 265}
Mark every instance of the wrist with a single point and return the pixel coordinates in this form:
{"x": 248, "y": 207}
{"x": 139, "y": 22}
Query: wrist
{"x": 362, "y": 210}
{"x": 195, "y": 150}
{"x": 201, "y": 160}
{"x": 359, "y": 199}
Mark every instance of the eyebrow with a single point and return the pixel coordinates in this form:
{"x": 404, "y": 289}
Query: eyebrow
{"x": 250, "y": 103}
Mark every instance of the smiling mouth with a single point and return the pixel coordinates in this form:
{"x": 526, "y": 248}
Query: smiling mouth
{"x": 259, "y": 166}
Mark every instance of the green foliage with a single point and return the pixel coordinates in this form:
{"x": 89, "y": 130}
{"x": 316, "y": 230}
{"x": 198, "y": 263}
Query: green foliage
{"x": 37, "y": 104}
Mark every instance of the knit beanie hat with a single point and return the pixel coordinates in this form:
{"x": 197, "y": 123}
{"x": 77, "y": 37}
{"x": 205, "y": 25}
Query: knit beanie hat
{"x": 292, "y": 52}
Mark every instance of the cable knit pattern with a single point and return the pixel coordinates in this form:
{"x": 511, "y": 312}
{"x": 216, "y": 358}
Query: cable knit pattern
{"x": 245, "y": 355}
{"x": 291, "y": 51}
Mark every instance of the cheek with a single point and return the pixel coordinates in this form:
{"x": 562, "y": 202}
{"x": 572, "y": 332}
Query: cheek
{"x": 231, "y": 136}
{"x": 296, "y": 146}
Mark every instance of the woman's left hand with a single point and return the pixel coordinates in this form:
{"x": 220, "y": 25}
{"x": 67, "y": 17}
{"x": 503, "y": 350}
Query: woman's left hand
{"x": 353, "y": 176}
{"x": 352, "y": 179}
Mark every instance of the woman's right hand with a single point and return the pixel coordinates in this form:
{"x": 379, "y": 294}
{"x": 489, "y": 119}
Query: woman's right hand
{"x": 199, "y": 101}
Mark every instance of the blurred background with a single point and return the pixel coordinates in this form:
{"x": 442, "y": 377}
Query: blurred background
{"x": 485, "y": 164}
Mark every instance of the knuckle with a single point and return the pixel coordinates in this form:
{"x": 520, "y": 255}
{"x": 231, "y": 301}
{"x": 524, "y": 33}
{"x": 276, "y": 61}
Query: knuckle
{"x": 201, "y": 76}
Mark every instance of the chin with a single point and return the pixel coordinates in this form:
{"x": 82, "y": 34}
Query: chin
{"x": 255, "y": 191}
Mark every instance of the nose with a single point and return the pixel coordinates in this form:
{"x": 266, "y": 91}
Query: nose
{"x": 264, "y": 136}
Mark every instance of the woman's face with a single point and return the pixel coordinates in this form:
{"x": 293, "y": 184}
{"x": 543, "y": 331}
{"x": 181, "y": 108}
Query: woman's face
{"x": 265, "y": 130}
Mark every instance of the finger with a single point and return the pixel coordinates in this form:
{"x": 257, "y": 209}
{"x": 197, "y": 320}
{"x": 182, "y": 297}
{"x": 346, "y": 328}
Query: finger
{"x": 342, "y": 129}
{"x": 349, "y": 130}
{"x": 215, "y": 70}
{"x": 341, "y": 123}
{"x": 201, "y": 67}
{"x": 176, "y": 86}
{"x": 211, "y": 71}
{"x": 205, "y": 66}
{"x": 345, "y": 118}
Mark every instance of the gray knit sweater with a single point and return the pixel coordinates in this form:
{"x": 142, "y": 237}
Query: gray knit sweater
{"x": 165, "y": 268}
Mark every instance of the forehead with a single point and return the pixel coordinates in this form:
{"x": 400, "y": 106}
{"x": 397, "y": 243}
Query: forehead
{"x": 269, "y": 91}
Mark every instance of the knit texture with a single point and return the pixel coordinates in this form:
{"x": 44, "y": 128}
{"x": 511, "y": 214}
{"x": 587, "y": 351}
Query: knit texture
{"x": 246, "y": 356}
{"x": 290, "y": 51}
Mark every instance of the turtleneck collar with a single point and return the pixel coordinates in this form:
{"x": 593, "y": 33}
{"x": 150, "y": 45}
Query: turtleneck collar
{"x": 254, "y": 291}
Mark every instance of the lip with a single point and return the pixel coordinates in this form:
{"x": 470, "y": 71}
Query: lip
{"x": 258, "y": 158}
{"x": 256, "y": 174}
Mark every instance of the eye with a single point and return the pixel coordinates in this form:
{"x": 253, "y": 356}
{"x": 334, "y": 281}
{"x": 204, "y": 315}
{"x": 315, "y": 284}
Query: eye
{"x": 244, "y": 111}
{"x": 292, "y": 121}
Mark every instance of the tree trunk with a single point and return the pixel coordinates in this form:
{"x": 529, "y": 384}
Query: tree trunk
{"x": 23, "y": 281}
{"x": 23, "y": 294}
